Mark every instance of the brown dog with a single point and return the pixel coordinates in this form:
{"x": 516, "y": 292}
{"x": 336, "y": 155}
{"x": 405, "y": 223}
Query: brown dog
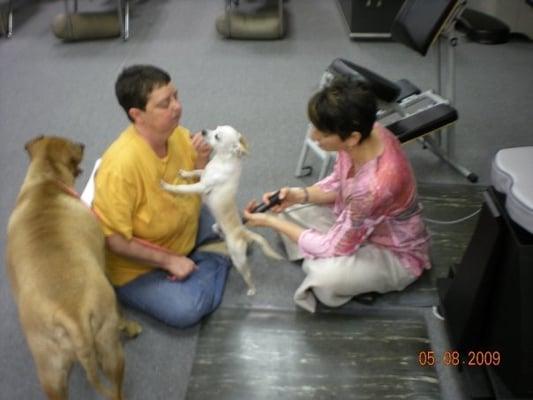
{"x": 55, "y": 256}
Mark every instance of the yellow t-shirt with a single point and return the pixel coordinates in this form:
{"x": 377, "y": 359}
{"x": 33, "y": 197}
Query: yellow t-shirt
{"x": 130, "y": 201}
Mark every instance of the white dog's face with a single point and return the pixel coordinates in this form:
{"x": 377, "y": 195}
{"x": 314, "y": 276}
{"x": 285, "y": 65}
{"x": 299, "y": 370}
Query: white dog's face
{"x": 226, "y": 140}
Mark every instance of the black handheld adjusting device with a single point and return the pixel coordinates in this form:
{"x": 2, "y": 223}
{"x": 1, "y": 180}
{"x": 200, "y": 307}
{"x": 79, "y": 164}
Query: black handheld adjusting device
{"x": 262, "y": 207}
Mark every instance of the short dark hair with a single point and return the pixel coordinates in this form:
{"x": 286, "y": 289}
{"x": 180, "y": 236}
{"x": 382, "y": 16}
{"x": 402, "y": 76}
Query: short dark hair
{"x": 343, "y": 107}
{"x": 135, "y": 83}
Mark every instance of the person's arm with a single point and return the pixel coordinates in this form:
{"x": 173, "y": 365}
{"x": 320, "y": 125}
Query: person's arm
{"x": 299, "y": 195}
{"x": 349, "y": 230}
{"x": 288, "y": 197}
{"x": 289, "y": 229}
{"x": 178, "y": 266}
{"x": 317, "y": 195}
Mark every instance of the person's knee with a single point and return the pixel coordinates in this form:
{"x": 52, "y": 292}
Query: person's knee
{"x": 184, "y": 315}
{"x": 329, "y": 296}
{"x": 182, "y": 322}
{"x": 187, "y": 311}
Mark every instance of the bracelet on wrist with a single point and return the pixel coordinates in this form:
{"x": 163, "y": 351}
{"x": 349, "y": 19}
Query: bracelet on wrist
{"x": 306, "y": 195}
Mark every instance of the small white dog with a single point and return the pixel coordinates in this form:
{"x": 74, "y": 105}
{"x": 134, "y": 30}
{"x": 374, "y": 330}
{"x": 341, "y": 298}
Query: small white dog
{"x": 218, "y": 184}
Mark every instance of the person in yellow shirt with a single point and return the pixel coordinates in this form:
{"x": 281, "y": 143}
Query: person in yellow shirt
{"x": 151, "y": 234}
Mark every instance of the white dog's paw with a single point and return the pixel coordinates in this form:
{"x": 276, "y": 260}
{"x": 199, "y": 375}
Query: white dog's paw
{"x": 186, "y": 174}
{"x": 251, "y": 292}
{"x": 166, "y": 186}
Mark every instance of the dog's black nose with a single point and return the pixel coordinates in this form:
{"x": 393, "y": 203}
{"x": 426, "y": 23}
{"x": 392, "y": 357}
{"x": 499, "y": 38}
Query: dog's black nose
{"x": 82, "y": 146}
{"x": 204, "y": 132}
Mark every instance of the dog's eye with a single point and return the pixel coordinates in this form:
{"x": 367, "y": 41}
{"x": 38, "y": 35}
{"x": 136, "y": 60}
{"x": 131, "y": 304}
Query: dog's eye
{"x": 217, "y": 136}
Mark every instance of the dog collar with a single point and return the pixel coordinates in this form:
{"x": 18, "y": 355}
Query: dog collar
{"x": 71, "y": 192}
{"x": 67, "y": 189}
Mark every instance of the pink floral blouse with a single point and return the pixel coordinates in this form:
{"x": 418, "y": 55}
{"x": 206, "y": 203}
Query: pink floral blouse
{"x": 378, "y": 205}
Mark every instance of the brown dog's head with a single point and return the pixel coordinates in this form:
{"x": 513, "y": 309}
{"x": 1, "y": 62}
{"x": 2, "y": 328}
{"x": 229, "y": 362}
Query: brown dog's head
{"x": 62, "y": 155}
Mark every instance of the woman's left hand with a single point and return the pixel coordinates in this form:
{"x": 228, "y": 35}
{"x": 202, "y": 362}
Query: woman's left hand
{"x": 203, "y": 150}
{"x": 289, "y": 229}
{"x": 255, "y": 219}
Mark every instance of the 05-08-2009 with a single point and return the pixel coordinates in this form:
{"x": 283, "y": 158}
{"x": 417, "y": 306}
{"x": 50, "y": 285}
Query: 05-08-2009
{"x": 454, "y": 358}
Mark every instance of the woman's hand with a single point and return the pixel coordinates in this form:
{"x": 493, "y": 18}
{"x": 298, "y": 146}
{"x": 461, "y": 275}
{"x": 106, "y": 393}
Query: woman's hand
{"x": 203, "y": 150}
{"x": 179, "y": 267}
{"x": 290, "y": 229}
{"x": 255, "y": 219}
{"x": 287, "y": 196}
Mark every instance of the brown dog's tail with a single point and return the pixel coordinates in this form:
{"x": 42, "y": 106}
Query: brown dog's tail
{"x": 265, "y": 246}
{"x": 82, "y": 337}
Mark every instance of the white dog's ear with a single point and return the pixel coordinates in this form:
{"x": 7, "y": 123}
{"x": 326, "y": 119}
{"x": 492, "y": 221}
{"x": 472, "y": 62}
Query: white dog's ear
{"x": 241, "y": 149}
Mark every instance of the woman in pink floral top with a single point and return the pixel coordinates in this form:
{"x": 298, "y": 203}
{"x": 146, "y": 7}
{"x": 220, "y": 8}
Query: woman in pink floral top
{"x": 360, "y": 229}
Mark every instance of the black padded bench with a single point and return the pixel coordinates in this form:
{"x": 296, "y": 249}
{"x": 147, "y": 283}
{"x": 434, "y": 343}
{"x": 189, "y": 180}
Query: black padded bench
{"x": 423, "y": 122}
{"x": 403, "y": 107}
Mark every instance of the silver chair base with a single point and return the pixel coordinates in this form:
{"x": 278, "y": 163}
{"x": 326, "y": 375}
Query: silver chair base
{"x": 123, "y": 8}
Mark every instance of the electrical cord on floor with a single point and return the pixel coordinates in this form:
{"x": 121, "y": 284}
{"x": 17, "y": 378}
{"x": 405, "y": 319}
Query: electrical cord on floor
{"x": 432, "y": 221}
{"x": 456, "y": 221}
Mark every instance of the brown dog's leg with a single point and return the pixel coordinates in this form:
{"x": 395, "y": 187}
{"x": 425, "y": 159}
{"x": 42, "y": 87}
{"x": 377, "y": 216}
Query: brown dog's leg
{"x": 111, "y": 354}
{"x": 111, "y": 357}
{"x": 113, "y": 367}
{"x": 52, "y": 368}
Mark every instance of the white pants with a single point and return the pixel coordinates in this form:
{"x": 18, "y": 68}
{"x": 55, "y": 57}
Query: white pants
{"x": 335, "y": 280}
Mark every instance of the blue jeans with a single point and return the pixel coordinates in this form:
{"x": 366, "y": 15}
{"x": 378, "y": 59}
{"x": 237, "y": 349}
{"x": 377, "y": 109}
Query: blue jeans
{"x": 181, "y": 304}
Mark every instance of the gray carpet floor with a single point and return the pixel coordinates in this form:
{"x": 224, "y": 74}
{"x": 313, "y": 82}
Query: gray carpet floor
{"x": 261, "y": 88}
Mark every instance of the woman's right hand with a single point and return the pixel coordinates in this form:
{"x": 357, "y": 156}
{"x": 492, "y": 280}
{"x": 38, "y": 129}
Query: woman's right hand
{"x": 288, "y": 197}
{"x": 179, "y": 267}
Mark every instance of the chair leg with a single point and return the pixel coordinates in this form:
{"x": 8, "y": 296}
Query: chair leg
{"x": 6, "y": 23}
{"x": 123, "y": 8}
{"x": 443, "y": 146}
{"x": 437, "y": 150}
{"x": 68, "y": 20}
{"x": 228, "y": 9}
{"x": 302, "y": 170}
{"x": 9, "y": 20}
{"x": 126, "y": 19}
{"x": 280, "y": 16}
{"x": 326, "y": 163}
